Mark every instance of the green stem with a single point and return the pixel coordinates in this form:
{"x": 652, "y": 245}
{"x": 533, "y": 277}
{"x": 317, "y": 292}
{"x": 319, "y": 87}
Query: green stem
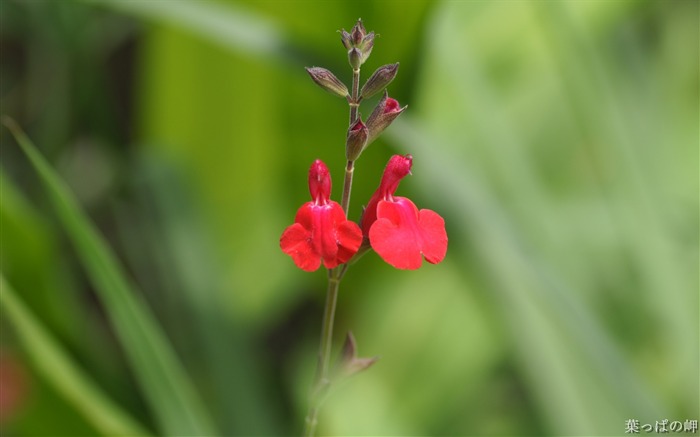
{"x": 347, "y": 186}
{"x": 355, "y": 96}
{"x": 327, "y": 329}
{"x": 324, "y": 353}
{"x": 350, "y": 165}
{"x": 334, "y": 276}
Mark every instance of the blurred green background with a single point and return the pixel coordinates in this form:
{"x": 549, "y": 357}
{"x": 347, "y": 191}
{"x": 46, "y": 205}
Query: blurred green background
{"x": 559, "y": 140}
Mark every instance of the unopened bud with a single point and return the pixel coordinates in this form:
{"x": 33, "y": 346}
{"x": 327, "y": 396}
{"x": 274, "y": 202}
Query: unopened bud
{"x": 355, "y": 58}
{"x": 366, "y": 46}
{"x": 358, "y": 33}
{"x": 383, "y": 115}
{"x": 346, "y": 39}
{"x": 327, "y": 80}
{"x": 379, "y": 80}
{"x": 358, "y": 39}
{"x": 356, "y": 140}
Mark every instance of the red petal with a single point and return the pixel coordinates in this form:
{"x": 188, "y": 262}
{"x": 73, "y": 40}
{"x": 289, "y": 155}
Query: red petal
{"x": 321, "y": 233}
{"x": 304, "y": 216}
{"x": 392, "y": 236}
{"x": 434, "y": 235}
{"x": 402, "y": 234}
{"x": 295, "y": 243}
{"x": 349, "y": 240}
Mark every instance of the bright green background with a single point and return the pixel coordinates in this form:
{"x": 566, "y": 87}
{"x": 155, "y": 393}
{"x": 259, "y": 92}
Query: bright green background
{"x": 559, "y": 140}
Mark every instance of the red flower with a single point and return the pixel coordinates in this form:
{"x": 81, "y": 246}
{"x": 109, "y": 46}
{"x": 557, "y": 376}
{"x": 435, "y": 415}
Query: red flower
{"x": 400, "y": 233}
{"x": 320, "y": 231}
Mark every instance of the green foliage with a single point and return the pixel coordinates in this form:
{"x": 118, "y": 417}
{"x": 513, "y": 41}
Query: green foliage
{"x": 160, "y": 376}
{"x": 58, "y": 368}
{"x": 558, "y": 140}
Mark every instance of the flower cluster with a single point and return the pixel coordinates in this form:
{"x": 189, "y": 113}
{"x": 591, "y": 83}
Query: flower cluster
{"x": 396, "y": 229}
{"x": 392, "y": 226}
{"x": 400, "y": 233}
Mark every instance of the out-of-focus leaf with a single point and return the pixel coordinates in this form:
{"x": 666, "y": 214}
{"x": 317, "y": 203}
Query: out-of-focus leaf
{"x": 171, "y": 396}
{"x": 28, "y": 259}
{"x": 537, "y": 227}
{"x": 228, "y": 25}
{"x": 436, "y": 347}
{"x": 171, "y": 249}
{"x": 62, "y": 373}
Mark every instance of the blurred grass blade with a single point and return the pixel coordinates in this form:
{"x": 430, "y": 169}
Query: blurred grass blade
{"x": 545, "y": 315}
{"x": 227, "y": 25}
{"x": 58, "y": 369}
{"x": 170, "y": 394}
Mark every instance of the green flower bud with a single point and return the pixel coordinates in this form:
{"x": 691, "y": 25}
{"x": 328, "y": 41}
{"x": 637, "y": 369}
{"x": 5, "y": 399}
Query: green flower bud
{"x": 346, "y": 39}
{"x": 366, "y": 46}
{"x": 379, "y": 80}
{"x": 355, "y": 58}
{"x": 359, "y": 39}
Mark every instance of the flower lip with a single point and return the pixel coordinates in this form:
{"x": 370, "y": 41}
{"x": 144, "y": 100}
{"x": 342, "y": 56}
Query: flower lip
{"x": 399, "y": 166}
{"x": 402, "y": 235}
{"x": 396, "y": 169}
{"x": 320, "y": 182}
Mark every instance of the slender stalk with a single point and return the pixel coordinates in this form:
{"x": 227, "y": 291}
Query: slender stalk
{"x": 350, "y": 165}
{"x": 324, "y": 353}
{"x": 355, "y": 96}
{"x": 327, "y": 329}
{"x": 347, "y": 186}
{"x": 334, "y": 276}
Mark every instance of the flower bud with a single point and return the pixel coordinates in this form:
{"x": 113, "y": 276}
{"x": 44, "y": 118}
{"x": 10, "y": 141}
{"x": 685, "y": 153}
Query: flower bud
{"x": 327, "y": 80}
{"x": 357, "y": 39}
{"x": 383, "y": 115}
{"x": 366, "y": 46}
{"x": 356, "y": 140}
{"x": 346, "y": 39}
{"x": 379, "y": 80}
{"x": 358, "y": 33}
{"x": 355, "y": 58}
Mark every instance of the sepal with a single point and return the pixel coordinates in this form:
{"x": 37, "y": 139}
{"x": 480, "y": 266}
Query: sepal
{"x": 379, "y": 80}
{"x": 328, "y": 81}
{"x": 349, "y": 363}
{"x": 382, "y": 116}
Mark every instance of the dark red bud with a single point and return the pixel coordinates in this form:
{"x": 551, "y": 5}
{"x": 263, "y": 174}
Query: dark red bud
{"x": 391, "y": 105}
{"x": 356, "y": 140}
{"x": 358, "y": 33}
{"x": 383, "y": 115}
